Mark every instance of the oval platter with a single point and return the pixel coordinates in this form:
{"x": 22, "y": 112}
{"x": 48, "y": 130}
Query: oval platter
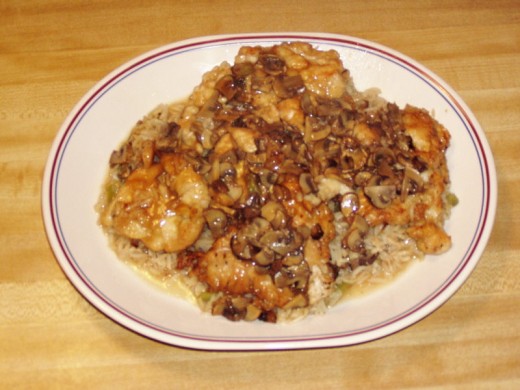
{"x": 103, "y": 118}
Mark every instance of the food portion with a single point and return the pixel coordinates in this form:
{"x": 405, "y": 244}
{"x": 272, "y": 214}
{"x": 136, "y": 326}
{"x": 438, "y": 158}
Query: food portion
{"x": 277, "y": 186}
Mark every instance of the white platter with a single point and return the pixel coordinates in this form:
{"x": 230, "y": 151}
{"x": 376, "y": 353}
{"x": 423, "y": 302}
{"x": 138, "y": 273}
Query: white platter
{"x": 103, "y": 118}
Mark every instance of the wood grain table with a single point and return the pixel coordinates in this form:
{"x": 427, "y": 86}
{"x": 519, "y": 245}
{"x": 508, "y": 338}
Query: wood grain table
{"x": 52, "y": 52}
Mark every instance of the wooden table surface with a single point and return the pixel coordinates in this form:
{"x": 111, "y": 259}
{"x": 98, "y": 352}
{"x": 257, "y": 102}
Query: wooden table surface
{"x": 52, "y": 52}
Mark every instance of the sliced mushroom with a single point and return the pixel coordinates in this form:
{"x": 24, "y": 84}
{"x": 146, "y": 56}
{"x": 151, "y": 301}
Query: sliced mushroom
{"x": 290, "y": 166}
{"x": 381, "y": 196}
{"x": 234, "y": 192}
{"x": 210, "y": 106}
{"x": 362, "y": 178}
{"x": 349, "y": 204}
{"x": 267, "y": 177}
{"x": 268, "y": 316}
{"x": 346, "y": 117}
{"x": 249, "y": 212}
{"x": 256, "y": 229}
{"x": 217, "y": 221}
{"x": 412, "y": 182}
{"x": 289, "y": 86}
{"x": 360, "y": 223}
{"x": 300, "y": 275}
{"x": 294, "y": 258}
{"x": 383, "y": 153}
{"x": 307, "y": 104}
{"x": 335, "y": 174}
{"x": 226, "y": 86}
{"x": 258, "y": 226}
{"x": 229, "y": 155}
{"x": 252, "y": 313}
{"x": 354, "y": 239}
{"x": 265, "y": 257}
{"x": 227, "y": 170}
{"x": 296, "y": 240}
{"x": 353, "y": 158}
{"x": 307, "y": 183}
{"x": 295, "y": 276}
{"x": 234, "y": 309}
{"x": 239, "y": 303}
{"x": 241, "y": 248}
{"x": 328, "y": 107}
{"x": 272, "y": 64}
{"x": 277, "y": 241}
{"x": 242, "y": 69}
{"x": 253, "y": 200}
{"x": 315, "y": 130}
{"x": 383, "y": 158}
{"x": 385, "y": 169}
{"x": 275, "y": 213}
{"x": 219, "y": 186}
{"x": 256, "y": 158}
{"x": 246, "y": 242}
{"x": 326, "y": 148}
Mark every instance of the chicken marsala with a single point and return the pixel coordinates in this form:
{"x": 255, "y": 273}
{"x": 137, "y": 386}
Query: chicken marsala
{"x": 276, "y": 185}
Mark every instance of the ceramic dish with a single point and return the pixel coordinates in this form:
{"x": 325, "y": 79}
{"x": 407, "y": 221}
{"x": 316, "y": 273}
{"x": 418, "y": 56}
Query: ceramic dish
{"x": 103, "y": 118}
